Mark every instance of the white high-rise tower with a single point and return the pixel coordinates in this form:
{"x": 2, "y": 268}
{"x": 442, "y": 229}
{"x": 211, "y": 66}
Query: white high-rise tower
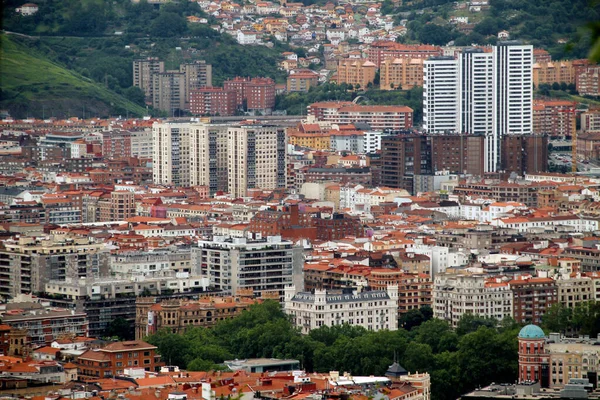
{"x": 482, "y": 93}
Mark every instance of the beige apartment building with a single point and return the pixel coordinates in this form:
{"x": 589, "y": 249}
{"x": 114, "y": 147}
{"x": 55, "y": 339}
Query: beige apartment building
{"x": 143, "y": 71}
{"x": 557, "y": 71}
{"x": 168, "y": 91}
{"x": 208, "y": 156}
{"x": 170, "y": 154}
{"x": 257, "y": 158}
{"x": 356, "y": 72}
{"x": 196, "y": 75}
{"x": 401, "y": 73}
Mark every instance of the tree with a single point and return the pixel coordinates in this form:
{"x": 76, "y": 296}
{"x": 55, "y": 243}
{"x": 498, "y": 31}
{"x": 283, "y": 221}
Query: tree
{"x": 120, "y": 328}
{"x": 168, "y": 24}
{"x": 136, "y": 95}
{"x": 470, "y": 323}
{"x": 435, "y": 34}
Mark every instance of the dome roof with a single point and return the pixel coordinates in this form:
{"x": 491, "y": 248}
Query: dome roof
{"x": 531, "y": 332}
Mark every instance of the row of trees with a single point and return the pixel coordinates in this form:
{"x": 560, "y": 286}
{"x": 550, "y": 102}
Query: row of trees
{"x": 477, "y": 352}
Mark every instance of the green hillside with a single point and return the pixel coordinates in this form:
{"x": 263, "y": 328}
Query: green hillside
{"x": 32, "y": 85}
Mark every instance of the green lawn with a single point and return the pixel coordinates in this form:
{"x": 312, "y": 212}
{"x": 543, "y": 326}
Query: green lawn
{"x": 32, "y": 85}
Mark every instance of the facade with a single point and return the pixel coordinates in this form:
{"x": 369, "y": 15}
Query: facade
{"x": 549, "y": 72}
{"x": 554, "y": 117}
{"x": 588, "y": 146}
{"x": 404, "y": 156}
{"x": 261, "y": 266}
{"x": 588, "y": 81}
{"x": 359, "y": 72}
{"x": 373, "y": 310}
{"x": 302, "y": 81}
{"x": 379, "y": 118}
{"x": 383, "y": 50}
{"x": 171, "y": 161}
{"x": 115, "y": 144}
{"x": 257, "y": 158}
{"x": 213, "y": 101}
{"x": 401, "y": 73}
{"x": 177, "y": 315}
{"x": 524, "y": 154}
{"x": 590, "y": 120}
{"x": 28, "y": 263}
{"x": 492, "y": 94}
{"x": 531, "y": 298}
{"x": 208, "y": 156}
{"x": 554, "y": 360}
{"x": 253, "y": 94}
{"x": 111, "y": 361}
{"x": 143, "y": 71}
{"x": 458, "y": 153}
{"x": 44, "y": 325}
{"x": 168, "y": 91}
{"x": 141, "y": 144}
{"x": 455, "y": 295}
{"x": 197, "y": 75}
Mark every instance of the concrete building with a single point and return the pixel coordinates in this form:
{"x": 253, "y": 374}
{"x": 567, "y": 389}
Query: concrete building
{"x": 588, "y": 81}
{"x": 253, "y": 94}
{"x": 171, "y": 161}
{"x": 524, "y": 154}
{"x": 380, "y": 51}
{"x": 197, "y": 75}
{"x": 209, "y": 154}
{"x": 549, "y": 72}
{"x": 373, "y": 310}
{"x": 379, "y": 118}
{"x": 458, "y": 153}
{"x": 456, "y": 294}
{"x": 143, "y": 71}
{"x": 359, "y": 72}
{"x": 403, "y": 157}
{"x": 302, "y": 80}
{"x": 532, "y": 297}
{"x": 401, "y": 73}
{"x": 262, "y": 266}
{"x": 141, "y": 143}
{"x": 256, "y": 158}
{"x": 177, "y": 315}
{"x": 27, "y": 263}
{"x": 554, "y": 117}
{"x": 213, "y": 101}
{"x": 492, "y": 93}
{"x": 168, "y": 91}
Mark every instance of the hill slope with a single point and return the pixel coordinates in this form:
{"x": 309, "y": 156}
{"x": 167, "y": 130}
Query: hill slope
{"x": 32, "y": 85}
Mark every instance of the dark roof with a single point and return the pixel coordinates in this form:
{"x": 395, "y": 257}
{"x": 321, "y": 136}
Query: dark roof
{"x": 396, "y": 370}
{"x": 307, "y": 297}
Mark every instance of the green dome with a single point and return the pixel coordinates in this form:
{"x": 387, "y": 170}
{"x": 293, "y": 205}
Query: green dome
{"x": 531, "y": 332}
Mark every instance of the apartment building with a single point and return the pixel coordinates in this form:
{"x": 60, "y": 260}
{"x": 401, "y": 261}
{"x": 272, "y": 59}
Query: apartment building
{"x": 554, "y": 117}
{"x": 588, "y": 146}
{"x": 379, "y": 118}
{"x": 112, "y": 360}
{"x": 590, "y": 120}
{"x": 213, "y": 101}
{"x": 356, "y": 72}
{"x": 256, "y": 158}
{"x": 253, "y": 94}
{"x": 373, "y": 310}
{"x": 414, "y": 288}
{"x": 28, "y": 263}
{"x": 141, "y": 143}
{"x": 401, "y": 73}
{"x": 458, "y": 153}
{"x": 404, "y": 156}
{"x": 457, "y": 294}
{"x": 42, "y": 325}
{"x": 524, "y": 153}
{"x": 380, "y": 51}
{"x": 261, "y": 265}
{"x": 587, "y": 81}
{"x": 116, "y": 144}
{"x": 168, "y": 91}
{"x": 177, "y": 315}
{"x": 532, "y": 296}
{"x": 491, "y": 92}
{"x": 549, "y": 72}
{"x": 302, "y": 80}
{"x": 119, "y": 206}
{"x": 197, "y": 75}
{"x": 171, "y": 153}
{"x": 143, "y": 70}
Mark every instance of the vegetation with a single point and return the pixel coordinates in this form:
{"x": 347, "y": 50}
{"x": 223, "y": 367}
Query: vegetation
{"x": 33, "y": 85}
{"x": 478, "y": 352}
{"x": 583, "y": 319}
{"x": 560, "y": 26}
{"x": 296, "y": 103}
{"x": 119, "y": 328}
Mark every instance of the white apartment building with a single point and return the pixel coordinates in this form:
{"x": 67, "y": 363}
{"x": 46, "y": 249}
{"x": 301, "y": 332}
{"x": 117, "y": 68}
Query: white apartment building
{"x": 263, "y": 265}
{"x": 256, "y": 158}
{"x": 441, "y": 257}
{"x": 171, "y": 149}
{"x": 455, "y": 295}
{"x": 441, "y": 95}
{"x": 481, "y": 92}
{"x": 372, "y": 141}
{"x": 373, "y": 310}
{"x": 141, "y": 143}
{"x": 151, "y": 263}
{"x": 208, "y": 156}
